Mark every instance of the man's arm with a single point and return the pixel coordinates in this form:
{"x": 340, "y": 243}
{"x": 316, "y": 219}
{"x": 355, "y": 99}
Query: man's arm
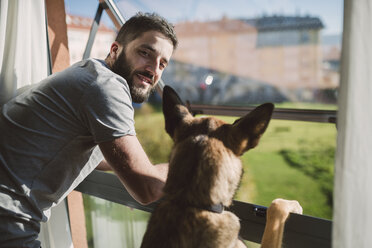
{"x": 143, "y": 180}
{"x": 277, "y": 214}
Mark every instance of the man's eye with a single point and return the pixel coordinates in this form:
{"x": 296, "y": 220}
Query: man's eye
{"x": 162, "y": 65}
{"x": 144, "y": 53}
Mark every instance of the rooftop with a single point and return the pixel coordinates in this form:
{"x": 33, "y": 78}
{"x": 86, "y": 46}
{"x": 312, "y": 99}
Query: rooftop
{"x": 269, "y": 23}
{"x": 80, "y": 22}
{"x": 223, "y": 25}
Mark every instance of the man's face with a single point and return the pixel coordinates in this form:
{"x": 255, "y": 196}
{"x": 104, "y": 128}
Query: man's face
{"x": 142, "y": 63}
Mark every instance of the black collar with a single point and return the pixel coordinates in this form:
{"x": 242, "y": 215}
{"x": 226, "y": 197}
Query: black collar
{"x": 215, "y": 208}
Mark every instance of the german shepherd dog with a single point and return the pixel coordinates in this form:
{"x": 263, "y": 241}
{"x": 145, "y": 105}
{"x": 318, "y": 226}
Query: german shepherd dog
{"x": 204, "y": 174}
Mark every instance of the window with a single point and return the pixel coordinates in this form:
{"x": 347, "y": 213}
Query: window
{"x": 233, "y": 56}
{"x": 112, "y": 223}
{"x": 242, "y": 55}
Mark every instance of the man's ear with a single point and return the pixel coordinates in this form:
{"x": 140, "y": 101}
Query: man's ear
{"x": 115, "y": 50}
{"x": 173, "y": 109}
{"x": 246, "y": 131}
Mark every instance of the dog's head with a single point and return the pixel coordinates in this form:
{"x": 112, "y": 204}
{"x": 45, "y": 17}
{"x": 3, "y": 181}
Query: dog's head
{"x": 205, "y": 165}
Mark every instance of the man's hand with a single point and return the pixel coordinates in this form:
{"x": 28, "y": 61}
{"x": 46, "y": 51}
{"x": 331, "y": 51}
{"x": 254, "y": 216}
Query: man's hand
{"x": 277, "y": 214}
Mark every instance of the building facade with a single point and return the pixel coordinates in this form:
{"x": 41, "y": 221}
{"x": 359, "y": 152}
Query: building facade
{"x": 78, "y": 29}
{"x": 282, "y": 51}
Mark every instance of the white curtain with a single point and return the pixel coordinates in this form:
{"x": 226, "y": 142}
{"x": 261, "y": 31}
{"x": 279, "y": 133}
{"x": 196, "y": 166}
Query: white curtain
{"x": 24, "y": 61}
{"x": 23, "y": 43}
{"x": 353, "y": 173}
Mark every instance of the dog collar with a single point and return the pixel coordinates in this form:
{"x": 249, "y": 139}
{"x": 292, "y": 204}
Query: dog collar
{"x": 215, "y": 208}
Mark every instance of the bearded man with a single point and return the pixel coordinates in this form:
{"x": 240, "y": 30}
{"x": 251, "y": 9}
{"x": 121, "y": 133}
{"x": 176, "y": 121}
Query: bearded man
{"x": 49, "y": 132}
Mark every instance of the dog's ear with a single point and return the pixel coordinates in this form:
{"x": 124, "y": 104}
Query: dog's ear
{"x": 247, "y": 131}
{"x": 173, "y": 109}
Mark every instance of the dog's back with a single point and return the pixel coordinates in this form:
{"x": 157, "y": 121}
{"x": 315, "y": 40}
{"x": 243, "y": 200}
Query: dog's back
{"x": 204, "y": 174}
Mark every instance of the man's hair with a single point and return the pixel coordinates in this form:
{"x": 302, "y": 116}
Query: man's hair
{"x": 143, "y": 22}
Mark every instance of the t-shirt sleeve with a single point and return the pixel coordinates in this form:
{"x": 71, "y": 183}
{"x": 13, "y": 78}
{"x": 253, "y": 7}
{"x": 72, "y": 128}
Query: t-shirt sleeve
{"x": 107, "y": 111}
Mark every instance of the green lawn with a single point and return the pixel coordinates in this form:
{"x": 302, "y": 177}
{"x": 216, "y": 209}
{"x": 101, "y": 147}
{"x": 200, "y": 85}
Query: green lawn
{"x": 274, "y": 178}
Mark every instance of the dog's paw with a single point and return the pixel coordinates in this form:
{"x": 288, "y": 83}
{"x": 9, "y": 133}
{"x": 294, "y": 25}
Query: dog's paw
{"x": 281, "y": 208}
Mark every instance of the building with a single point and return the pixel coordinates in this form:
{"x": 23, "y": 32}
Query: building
{"x": 78, "y": 29}
{"x": 282, "y": 51}
{"x": 331, "y": 47}
{"x": 285, "y": 54}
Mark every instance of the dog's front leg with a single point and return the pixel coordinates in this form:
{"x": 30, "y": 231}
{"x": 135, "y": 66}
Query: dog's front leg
{"x": 277, "y": 214}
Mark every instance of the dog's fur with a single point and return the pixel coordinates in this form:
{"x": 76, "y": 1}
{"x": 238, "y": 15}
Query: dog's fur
{"x": 204, "y": 170}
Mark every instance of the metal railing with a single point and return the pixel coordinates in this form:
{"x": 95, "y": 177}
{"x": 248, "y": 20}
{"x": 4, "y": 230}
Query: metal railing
{"x": 300, "y": 230}
{"x": 328, "y": 116}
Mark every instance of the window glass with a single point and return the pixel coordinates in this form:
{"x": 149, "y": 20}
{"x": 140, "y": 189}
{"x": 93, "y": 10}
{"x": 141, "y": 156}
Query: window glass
{"x": 109, "y": 224}
{"x": 249, "y": 52}
{"x": 241, "y": 53}
{"x": 294, "y": 160}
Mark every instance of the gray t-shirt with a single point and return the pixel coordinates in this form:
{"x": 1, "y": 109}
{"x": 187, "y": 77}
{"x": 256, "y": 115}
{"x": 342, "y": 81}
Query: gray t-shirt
{"x": 47, "y": 135}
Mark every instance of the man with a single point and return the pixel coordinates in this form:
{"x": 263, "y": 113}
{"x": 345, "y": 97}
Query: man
{"x": 48, "y": 133}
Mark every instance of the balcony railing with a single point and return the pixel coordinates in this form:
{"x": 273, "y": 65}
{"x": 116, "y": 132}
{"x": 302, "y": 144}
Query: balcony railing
{"x": 300, "y": 230}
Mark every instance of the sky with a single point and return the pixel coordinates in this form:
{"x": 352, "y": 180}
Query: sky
{"x": 329, "y": 11}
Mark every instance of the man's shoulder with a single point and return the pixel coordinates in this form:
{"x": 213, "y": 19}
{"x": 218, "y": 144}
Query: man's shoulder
{"x": 92, "y": 66}
{"x": 111, "y": 81}
{"x": 106, "y": 83}
{"x": 96, "y": 73}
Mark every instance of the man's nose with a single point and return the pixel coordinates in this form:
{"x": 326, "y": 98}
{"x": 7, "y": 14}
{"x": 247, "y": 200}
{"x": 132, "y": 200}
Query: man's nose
{"x": 154, "y": 68}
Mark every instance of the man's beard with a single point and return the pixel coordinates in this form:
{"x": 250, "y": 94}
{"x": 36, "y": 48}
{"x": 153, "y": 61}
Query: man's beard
{"x": 123, "y": 67}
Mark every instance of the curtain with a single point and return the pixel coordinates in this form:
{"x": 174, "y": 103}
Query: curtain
{"x": 352, "y": 218}
{"x": 23, "y": 43}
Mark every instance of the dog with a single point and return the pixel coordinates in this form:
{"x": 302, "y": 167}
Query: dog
{"x": 204, "y": 174}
